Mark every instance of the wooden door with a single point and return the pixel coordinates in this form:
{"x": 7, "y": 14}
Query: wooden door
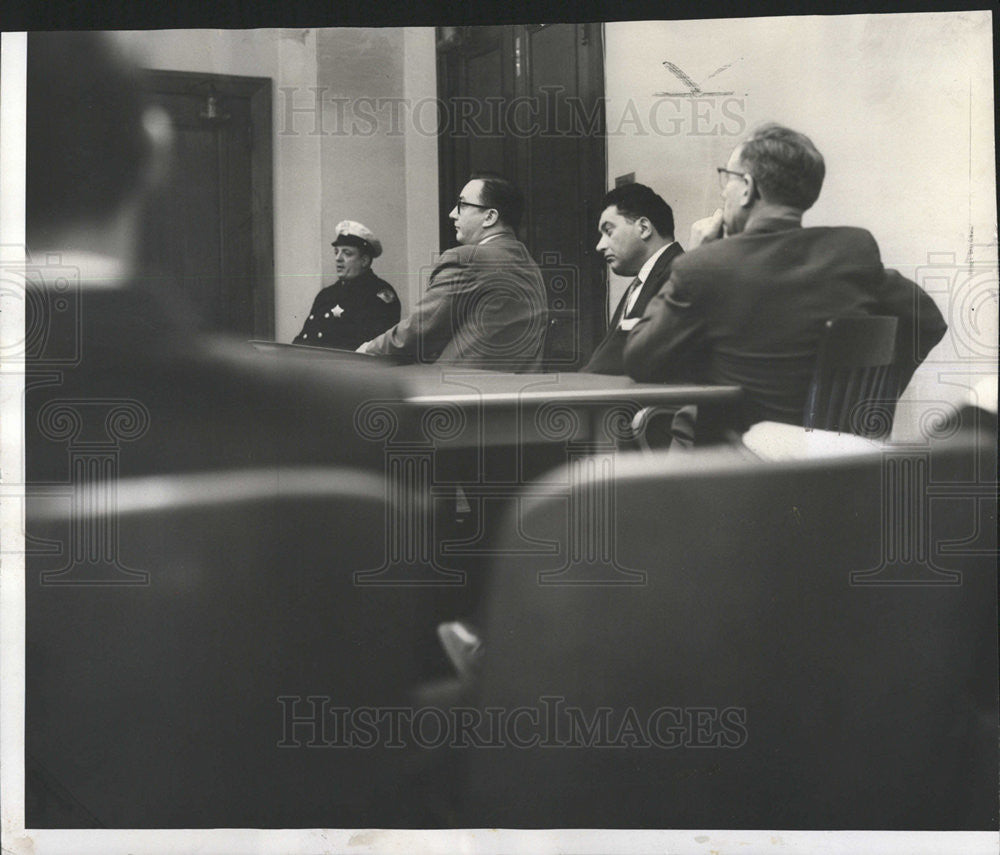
{"x": 210, "y": 227}
{"x": 527, "y": 102}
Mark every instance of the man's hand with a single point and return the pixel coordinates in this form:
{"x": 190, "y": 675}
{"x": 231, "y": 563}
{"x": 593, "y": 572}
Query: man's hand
{"x": 707, "y": 229}
{"x": 363, "y": 347}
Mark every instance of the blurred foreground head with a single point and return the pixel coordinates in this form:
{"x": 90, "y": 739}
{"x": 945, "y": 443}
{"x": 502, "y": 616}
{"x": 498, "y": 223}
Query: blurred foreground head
{"x": 92, "y": 141}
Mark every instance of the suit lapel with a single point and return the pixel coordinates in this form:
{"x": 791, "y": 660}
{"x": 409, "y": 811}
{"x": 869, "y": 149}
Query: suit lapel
{"x": 617, "y": 316}
{"x": 654, "y": 282}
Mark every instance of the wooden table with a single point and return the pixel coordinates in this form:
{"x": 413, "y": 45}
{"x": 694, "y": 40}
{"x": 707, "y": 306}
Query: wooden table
{"x": 473, "y": 443}
{"x": 452, "y": 407}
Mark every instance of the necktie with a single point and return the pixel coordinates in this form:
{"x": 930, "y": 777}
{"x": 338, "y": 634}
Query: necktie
{"x": 634, "y": 285}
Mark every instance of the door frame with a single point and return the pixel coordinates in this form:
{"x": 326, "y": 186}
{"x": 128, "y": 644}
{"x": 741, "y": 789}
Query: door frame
{"x": 453, "y": 46}
{"x": 258, "y": 91}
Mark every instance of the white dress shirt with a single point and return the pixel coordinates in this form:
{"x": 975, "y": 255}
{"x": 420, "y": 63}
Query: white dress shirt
{"x": 628, "y": 323}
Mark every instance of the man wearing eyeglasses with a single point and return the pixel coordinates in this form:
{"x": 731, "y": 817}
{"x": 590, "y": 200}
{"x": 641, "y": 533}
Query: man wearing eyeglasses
{"x": 747, "y": 305}
{"x": 485, "y": 304}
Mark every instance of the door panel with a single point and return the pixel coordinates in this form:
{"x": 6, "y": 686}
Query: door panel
{"x": 526, "y": 101}
{"x": 210, "y": 226}
{"x": 484, "y": 73}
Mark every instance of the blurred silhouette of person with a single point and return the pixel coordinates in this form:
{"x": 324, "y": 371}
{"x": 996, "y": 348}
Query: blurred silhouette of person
{"x": 95, "y": 151}
{"x": 120, "y": 385}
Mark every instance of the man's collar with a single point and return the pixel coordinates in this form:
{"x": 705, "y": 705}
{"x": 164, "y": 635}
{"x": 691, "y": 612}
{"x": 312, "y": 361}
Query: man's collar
{"x": 494, "y": 237}
{"x": 775, "y": 218}
{"x": 647, "y": 266}
{"x": 364, "y": 274}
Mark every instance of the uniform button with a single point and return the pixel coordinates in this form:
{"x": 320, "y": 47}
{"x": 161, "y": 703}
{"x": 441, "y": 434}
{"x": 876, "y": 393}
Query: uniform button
{"x": 319, "y": 335}
{"x": 305, "y": 335}
{"x": 311, "y": 317}
{"x": 326, "y": 315}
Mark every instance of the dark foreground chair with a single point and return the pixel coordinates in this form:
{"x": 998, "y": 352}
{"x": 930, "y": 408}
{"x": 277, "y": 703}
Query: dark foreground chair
{"x": 855, "y": 386}
{"x": 744, "y": 645}
{"x": 189, "y": 641}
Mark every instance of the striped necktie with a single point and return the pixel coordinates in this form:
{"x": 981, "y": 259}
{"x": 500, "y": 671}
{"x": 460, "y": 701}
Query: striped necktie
{"x": 633, "y": 286}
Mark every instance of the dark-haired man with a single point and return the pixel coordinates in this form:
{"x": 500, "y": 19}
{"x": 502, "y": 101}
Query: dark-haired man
{"x": 637, "y": 239}
{"x": 748, "y": 303}
{"x": 485, "y": 305}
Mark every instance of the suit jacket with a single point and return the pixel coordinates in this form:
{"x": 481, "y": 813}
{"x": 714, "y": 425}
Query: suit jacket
{"x": 350, "y": 312}
{"x": 484, "y": 307}
{"x": 607, "y": 356}
{"x": 750, "y": 310}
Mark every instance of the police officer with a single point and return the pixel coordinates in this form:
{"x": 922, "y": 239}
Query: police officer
{"x": 359, "y": 305}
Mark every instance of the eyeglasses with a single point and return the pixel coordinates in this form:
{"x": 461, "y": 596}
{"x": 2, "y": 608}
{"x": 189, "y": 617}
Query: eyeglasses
{"x": 725, "y": 173}
{"x": 461, "y": 202}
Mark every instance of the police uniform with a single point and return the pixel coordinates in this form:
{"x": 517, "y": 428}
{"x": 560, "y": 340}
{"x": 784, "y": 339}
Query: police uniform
{"x": 351, "y": 311}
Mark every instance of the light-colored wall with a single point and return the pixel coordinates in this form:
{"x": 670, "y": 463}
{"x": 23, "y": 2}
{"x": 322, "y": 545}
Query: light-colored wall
{"x": 298, "y": 199}
{"x": 901, "y": 106}
{"x": 378, "y": 165}
{"x": 422, "y": 202}
{"x": 337, "y": 155}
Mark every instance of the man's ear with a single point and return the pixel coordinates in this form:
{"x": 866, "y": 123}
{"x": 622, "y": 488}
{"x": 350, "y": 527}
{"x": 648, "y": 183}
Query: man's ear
{"x": 366, "y": 261}
{"x": 159, "y": 130}
{"x": 492, "y": 217}
{"x": 750, "y": 192}
{"x": 645, "y": 227}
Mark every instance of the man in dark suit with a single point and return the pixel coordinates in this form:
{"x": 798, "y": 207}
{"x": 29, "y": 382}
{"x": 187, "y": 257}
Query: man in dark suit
{"x": 637, "y": 239}
{"x": 748, "y": 303}
{"x": 485, "y": 305}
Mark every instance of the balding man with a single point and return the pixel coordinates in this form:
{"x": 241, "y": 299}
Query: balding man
{"x": 748, "y": 303}
{"x": 485, "y": 305}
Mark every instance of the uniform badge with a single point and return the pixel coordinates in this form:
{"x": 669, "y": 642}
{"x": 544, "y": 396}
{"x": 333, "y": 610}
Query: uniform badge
{"x": 386, "y": 296}
{"x": 337, "y": 311}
